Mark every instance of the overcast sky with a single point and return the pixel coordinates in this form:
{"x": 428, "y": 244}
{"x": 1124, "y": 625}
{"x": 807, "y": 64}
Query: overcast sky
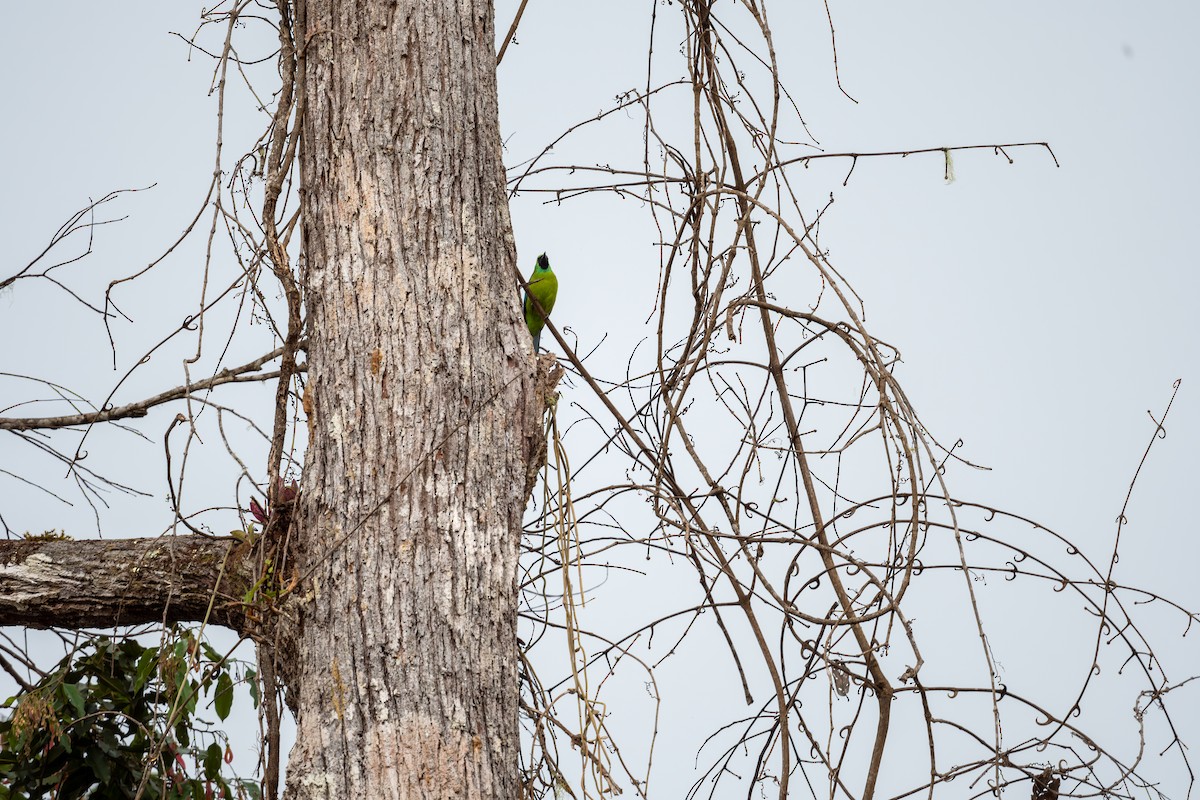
{"x": 1041, "y": 310}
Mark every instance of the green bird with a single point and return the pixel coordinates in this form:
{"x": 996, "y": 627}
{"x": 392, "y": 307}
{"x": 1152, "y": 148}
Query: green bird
{"x": 543, "y": 287}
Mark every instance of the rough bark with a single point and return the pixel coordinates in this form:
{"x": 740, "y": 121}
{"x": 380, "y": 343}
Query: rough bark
{"x": 423, "y": 415}
{"x": 102, "y": 583}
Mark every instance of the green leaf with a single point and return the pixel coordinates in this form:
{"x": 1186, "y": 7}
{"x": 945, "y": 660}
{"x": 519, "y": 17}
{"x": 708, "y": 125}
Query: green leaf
{"x": 145, "y": 667}
{"x": 73, "y": 694}
{"x": 213, "y": 757}
{"x": 77, "y": 782}
{"x": 190, "y": 696}
{"x": 252, "y": 679}
{"x": 99, "y": 765}
{"x": 223, "y": 700}
{"x": 109, "y": 747}
{"x": 211, "y": 654}
{"x": 182, "y": 733}
{"x": 180, "y": 677}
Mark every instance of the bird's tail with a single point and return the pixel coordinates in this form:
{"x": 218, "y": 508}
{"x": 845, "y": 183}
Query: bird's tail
{"x": 537, "y": 343}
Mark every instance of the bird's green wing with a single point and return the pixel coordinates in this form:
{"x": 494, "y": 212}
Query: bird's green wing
{"x": 543, "y": 287}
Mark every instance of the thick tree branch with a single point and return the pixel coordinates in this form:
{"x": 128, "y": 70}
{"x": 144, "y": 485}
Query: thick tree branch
{"x": 106, "y": 583}
{"x": 243, "y": 374}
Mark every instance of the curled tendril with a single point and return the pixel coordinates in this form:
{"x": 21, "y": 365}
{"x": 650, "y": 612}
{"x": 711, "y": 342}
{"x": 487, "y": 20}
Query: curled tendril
{"x": 991, "y": 515}
{"x": 1012, "y": 571}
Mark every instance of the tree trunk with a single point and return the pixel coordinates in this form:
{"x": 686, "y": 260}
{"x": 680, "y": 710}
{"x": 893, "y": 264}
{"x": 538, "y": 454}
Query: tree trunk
{"x": 422, "y": 411}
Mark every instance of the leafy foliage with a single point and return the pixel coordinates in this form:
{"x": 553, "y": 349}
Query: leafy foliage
{"x": 117, "y": 719}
